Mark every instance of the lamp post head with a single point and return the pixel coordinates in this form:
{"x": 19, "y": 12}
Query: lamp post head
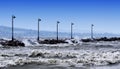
{"x": 39, "y": 19}
{"x": 92, "y": 24}
{"x": 13, "y": 16}
{"x": 72, "y": 23}
{"x": 58, "y": 22}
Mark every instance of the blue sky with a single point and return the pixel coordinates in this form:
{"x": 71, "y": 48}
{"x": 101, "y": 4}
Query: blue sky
{"x": 104, "y": 14}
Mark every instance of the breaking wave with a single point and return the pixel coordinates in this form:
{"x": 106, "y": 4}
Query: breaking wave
{"x": 83, "y": 54}
{"x": 74, "y": 58}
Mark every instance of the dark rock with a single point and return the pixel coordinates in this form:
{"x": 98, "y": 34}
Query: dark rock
{"x": 13, "y": 43}
{"x": 86, "y": 40}
{"x": 102, "y": 39}
{"x": 52, "y": 41}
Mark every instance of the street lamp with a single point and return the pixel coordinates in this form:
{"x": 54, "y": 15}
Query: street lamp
{"x": 92, "y": 31}
{"x": 38, "y": 28}
{"x": 13, "y": 17}
{"x": 57, "y": 29}
{"x": 72, "y": 30}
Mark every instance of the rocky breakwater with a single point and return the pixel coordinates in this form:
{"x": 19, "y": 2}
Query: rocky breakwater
{"x": 52, "y": 41}
{"x": 13, "y": 43}
{"x": 101, "y": 39}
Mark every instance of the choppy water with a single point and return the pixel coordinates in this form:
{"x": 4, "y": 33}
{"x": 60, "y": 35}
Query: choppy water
{"x": 96, "y": 55}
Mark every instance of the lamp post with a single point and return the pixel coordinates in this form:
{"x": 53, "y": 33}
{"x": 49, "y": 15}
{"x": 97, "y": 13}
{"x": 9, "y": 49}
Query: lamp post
{"x": 72, "y": 30}
{"x": 92, "y": 31}
{"x": 38, "y": 28}
{"x": 13, "y": 17}
{"x": 57, "y": 30}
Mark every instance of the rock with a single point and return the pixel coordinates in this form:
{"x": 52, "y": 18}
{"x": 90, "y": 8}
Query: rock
{"x": 13, "y": 43}
{"x": 86, "y": 40}
{"x": 52, "y": 41}
{"x": 102, "y": 39}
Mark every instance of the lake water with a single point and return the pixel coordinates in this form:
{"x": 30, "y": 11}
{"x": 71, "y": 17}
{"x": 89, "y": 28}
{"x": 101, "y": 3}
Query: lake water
{"x": 92, "y": 55}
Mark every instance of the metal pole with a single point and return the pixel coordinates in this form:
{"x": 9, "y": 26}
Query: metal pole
{"x": 72, "y": 30}
{"x": 38, "y": 28}
{"x": 57, "y": 29}
{"x": 13, "y": 27}
{"x": 92, "y": 31}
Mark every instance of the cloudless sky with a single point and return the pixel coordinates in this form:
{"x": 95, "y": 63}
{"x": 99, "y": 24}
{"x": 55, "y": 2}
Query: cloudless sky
{"x": 104, "y": 14}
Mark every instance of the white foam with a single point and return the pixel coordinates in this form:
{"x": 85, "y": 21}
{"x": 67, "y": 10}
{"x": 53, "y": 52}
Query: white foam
{"x": 64, "y": 57}
{"x": 29, "y": 42}
{"x": 56, "y": 55}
